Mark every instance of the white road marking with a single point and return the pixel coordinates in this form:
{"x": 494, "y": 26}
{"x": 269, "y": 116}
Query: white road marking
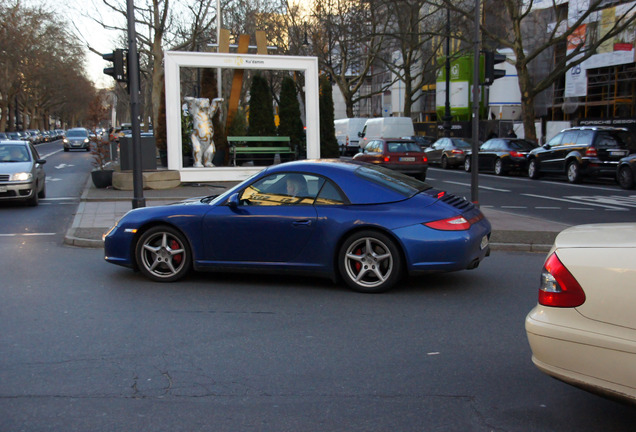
{"x": 574, "y": 201}
{"x": 27, "y": 234}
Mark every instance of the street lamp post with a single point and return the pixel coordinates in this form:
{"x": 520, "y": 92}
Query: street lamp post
{"x": 447, "y": 109}
{"x": 133, "y": 88}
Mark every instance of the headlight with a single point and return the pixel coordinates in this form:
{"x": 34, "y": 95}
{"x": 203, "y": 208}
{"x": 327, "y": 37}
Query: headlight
{"x": 22, "y": 176}
{"x": 86, "y": 140}
{"x": 65, "y": 140}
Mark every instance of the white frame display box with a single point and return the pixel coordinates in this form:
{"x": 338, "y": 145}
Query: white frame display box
{"x": 174, "y": 60}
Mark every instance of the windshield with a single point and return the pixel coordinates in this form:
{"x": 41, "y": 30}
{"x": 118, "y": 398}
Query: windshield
{"x": 77, "y": 133}
{"x": 401, "y": 183}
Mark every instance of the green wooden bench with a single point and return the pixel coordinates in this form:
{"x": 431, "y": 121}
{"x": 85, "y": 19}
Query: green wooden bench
{"x": 245, "y": 148}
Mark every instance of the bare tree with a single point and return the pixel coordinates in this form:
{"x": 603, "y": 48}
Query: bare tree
{"x": 529, "y": 38}
{"x": 348, "y": 36}
{"x": 160, "y": 25}
{"x": 413, "y": 44}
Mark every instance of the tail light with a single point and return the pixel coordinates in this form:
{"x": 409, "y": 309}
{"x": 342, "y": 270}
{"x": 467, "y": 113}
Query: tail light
{"x": 458, "y": 152}
{"x": 387, "y": 158}
{"x": 516, "y": 154}
{"x": 591, "y": 152}
{"x": 424, "y": 158}
{"x": 455, "y": 223}
{"x": 558, "y": 287}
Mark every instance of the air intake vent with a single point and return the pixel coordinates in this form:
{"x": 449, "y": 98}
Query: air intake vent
{"x": 457, "y": 202}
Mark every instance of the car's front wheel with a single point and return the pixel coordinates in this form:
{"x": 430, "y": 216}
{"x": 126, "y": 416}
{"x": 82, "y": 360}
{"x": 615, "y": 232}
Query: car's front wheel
{"x": 370, "y": 262}
{"x": 533, "y": 169}
{"x": 625, "y": 177}
{"x": 163, "y": 254}
{"x": 499, "y": 167}
{"x": 574, "y": 172}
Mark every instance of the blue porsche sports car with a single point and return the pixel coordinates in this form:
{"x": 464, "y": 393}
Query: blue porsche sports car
{"x": 353, "y": 221}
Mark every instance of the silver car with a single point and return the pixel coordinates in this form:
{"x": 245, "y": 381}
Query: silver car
{"x": 77, "y": 138}
{"x": 22, "y": 176}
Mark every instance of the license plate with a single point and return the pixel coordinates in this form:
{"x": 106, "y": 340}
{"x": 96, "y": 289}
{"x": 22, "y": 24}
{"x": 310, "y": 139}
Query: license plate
{"x": 3, "y": 189}
{"x": 407, "y": 159}
{"x": 484, "y": 242}
{"x": 618, "y": 153}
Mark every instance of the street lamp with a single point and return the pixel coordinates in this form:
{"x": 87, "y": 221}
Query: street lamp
{"x": 447, "y": 109}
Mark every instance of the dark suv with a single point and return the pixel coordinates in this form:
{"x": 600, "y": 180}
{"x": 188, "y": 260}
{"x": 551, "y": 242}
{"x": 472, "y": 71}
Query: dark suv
{"x": 581, "y": 151}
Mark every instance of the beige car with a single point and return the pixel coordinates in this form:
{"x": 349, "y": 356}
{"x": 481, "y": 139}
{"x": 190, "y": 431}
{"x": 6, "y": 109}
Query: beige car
{"x": 583, "y": 331}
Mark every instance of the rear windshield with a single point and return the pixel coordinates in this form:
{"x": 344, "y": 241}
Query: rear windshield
{"x": 401, "y": 183}
{"x": 401, "y": 147}
{"x": 522, "y": 145}
{"x": 614, "y": 139}
{"x": 461, "y": 144}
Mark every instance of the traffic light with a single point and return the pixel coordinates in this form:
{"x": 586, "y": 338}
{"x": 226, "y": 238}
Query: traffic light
{"x": 491, "y": 58}
{"x": 117, "y": 69}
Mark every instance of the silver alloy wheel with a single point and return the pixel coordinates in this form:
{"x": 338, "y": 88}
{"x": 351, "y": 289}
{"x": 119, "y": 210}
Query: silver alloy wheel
{"x": 533, "y": 171}
{"x": 574, "y": 175}
{"x": 498, "y": 167}
{"x": 368, "y": 262}
{"x": 162, "y": 254}
{"x": 467, "y": 164}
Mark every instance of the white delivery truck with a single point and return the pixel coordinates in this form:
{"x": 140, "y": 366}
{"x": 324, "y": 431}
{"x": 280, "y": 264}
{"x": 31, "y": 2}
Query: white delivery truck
{"x": 386, "y": 127}
{"x": 347, "y": 131}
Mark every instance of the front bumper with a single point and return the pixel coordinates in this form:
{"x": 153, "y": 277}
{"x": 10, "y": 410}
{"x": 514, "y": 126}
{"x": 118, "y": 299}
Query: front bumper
{"x": 17, "y": 191}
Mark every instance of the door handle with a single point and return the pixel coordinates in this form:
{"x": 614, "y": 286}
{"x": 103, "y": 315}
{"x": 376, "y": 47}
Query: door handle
{"x": 304, "y": 222}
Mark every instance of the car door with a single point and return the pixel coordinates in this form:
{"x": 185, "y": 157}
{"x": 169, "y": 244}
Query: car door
{"x": 485, "y": 155}
{"x": 547, "y": 156}
{"x": 269, "y": 225}
{"x": 434, "y": 153}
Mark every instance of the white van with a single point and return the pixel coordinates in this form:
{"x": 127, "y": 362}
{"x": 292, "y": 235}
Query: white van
{"x": 347, "y": 131}
{"x": 386, "y": 127}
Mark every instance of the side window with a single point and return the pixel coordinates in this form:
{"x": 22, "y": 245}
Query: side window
{"x": 585, "y": 137}
{"x": 556, "y": 140}
{"x": 570, "y": 137}
{"x": 330, "y": 195}
{"x": 282, "y": 189}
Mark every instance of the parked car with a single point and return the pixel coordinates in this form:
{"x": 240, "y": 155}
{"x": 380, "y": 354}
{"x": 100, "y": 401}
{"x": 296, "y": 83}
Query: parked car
{"x": 17, "y": 135}
{"x": 3, "y": 136}
{"x": 502, "y": 155}
{"x": 360, "y": 223}
{"x": 22, "y": 175}
{"x": 77, "y": 139}
{"x": 589, "y": 151}
{"x": 401, "y": 155}
{"x": 583, "y": 329}
{"x": 626, "y": 172}
{"x": 422, "y": 140}
{"x": 448, "y": 152}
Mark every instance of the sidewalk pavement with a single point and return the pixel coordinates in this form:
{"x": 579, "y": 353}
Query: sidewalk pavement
{"x": 99, "y": 209}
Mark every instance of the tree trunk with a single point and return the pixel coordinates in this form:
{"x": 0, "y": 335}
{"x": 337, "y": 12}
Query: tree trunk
{"x": 527, "y": 101}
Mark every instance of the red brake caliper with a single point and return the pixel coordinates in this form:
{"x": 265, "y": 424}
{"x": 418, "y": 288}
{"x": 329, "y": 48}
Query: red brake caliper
{"x": 177, "y": 258}
{"x": 358, "y": 265}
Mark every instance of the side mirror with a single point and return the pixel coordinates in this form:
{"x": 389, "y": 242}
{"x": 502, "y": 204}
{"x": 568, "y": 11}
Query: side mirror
{"x": 361, "y": 134}
{"x": 41, "y": 161}
{"x": 233, "y": 201}
{"x": 547, "y": 146}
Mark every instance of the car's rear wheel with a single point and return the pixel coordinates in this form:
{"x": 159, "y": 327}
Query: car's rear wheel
{"x": 369, "y": 262}
{"x": 467, "y": 164}
{"x": 625, "y": 177}
{"x": 445, "y": 162}
{"x": 533, "y": 169}
{"x": 574, "y": 172}
{"x": 163, "y": 254}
